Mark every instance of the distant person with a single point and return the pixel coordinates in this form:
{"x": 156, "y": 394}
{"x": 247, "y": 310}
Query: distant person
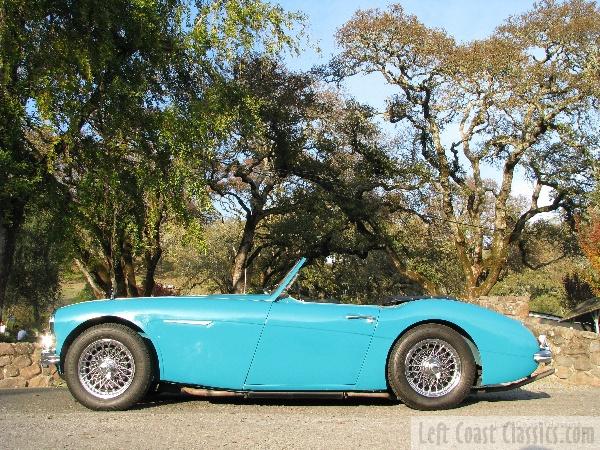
{"x": 2, "y": 328}
{"x": 22, "y": 334}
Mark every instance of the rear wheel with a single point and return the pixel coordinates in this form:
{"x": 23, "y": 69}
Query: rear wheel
{"x": 431, "y": 367}
{"x": 108, "y": 367}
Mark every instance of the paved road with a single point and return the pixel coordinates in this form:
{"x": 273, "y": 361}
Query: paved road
{"x": 50, "y": 418}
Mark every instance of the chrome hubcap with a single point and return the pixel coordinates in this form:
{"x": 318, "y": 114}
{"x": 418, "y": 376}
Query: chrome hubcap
{"x": 432, "y": 367}
{"x": 106, "y": 368}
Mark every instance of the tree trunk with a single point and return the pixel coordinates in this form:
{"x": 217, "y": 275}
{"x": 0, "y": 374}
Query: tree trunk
{"x": 129, "y": 269}
{"x": 238, "y": 275}
{"x": 9, "y": 230}
{"x": 152, "y": 255}
{"x": 119, "y": 288}
{"x": 151, "y": 259}
{"x": 94, "y": 281}
{"x": 428, "y": 286}
{"x": 37, "y": 317}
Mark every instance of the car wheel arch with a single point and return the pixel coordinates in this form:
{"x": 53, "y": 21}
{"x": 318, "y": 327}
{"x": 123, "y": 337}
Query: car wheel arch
{"x": 82, "y": 327}
{"x": 466, "y": 336}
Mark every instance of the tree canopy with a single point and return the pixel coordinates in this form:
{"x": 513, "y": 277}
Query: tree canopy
{"x": 524, "y": 99}
{"x": 138, "y": 137}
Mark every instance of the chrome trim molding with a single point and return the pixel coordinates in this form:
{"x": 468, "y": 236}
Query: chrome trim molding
{"x": 204, "y": 323}
{"x": 369, "y": 319}
{"x": 514, "y": 384}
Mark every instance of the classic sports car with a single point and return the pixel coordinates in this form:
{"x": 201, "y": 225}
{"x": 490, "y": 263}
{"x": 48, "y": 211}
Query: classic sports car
{"x": 429, "y": 353}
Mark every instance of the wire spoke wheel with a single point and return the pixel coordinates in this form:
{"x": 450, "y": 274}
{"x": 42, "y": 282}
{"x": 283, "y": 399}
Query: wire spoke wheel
{"x": 106, "y": 368}
{"x": 432, "y": 367}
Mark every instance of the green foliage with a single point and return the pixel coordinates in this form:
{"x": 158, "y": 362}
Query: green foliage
{"x": 84, "y": 295}
{"x": 351, "y": 279}
{"x": 577, "y": 290}
{"x": 544, "y": 288}
{"x": 34, "y": 285}
{"x": 131, "y": 119}
{"x": 121, "y": 106}
{"x": 537, "y": 266}
{"x": 205, "y": 269}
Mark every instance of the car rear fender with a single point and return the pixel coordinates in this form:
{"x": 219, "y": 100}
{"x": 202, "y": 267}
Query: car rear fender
{"x": 505, "y": 347}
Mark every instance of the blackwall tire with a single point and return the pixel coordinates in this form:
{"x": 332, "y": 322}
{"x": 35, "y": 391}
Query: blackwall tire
{"x": 108, "y": 367}
{"x": 431, "y": 367}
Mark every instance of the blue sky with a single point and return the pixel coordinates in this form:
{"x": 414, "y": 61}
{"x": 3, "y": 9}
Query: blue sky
{"x": 465, "y": 20}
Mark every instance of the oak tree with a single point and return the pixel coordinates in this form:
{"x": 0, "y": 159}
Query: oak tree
{"x": 523, "y": 100}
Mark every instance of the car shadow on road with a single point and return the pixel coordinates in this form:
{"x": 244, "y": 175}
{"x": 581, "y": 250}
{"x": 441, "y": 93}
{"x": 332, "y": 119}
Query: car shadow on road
{"x": 155, "y": 400}
{"x": 474, "y": 398}
{"x": 505, "y": 396}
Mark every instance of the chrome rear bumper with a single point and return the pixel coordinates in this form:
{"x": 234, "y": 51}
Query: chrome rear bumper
{"x": 544, "y": 356}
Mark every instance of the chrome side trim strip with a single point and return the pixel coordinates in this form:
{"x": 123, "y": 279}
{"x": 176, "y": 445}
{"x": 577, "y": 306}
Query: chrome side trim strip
{"x": 369, "y": 319}
{"x": 204, "y": 323}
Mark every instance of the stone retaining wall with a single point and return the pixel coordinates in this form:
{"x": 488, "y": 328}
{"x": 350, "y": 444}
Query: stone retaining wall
{"x": 511, "y": 306}
{"x": 20, "y": 367}
{"x": 576, "y": 353}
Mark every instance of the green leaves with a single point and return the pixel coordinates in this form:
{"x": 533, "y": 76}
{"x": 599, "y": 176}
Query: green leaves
{"x": 120, "y": 104}
{"x": 230, "y": 29}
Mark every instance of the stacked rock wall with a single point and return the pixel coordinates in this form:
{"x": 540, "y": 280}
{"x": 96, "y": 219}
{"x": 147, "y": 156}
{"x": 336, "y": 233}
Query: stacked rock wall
{"x": 20, "y": 367}
{"x": 576, "y": 354}
{"x": 516, "y": 307}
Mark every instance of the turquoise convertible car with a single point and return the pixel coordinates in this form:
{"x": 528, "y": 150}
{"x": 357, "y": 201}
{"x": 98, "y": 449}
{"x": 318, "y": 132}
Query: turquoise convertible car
{"x": 430, "y": 353}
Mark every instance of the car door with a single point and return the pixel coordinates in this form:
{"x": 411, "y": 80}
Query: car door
{"x": 209, "y": 341}
{"x": 312, "y": 346}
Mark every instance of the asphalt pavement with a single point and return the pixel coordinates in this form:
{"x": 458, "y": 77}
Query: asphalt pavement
{"x": 52, "y": 419}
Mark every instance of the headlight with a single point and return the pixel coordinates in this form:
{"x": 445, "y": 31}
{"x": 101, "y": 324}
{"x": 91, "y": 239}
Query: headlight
{"x": 47, "y": 341}
{"x": 51, "y": 323}
{"x": 543, "y": 340}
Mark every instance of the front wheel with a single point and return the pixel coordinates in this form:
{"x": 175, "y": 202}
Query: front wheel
{"x": 431, "y": 367}
{"x": 108, "y": 367}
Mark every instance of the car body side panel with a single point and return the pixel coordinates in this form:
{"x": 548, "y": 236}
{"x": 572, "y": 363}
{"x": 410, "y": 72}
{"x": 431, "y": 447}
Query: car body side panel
{"x": 505, "y": 346}
{"x": 211, "y": 343}
{"x": 306, "y": 346}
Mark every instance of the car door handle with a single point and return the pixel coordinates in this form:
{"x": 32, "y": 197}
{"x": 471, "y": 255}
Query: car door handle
{"x": 369, "y": 319}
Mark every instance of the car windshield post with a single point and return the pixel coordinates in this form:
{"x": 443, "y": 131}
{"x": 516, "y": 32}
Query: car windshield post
{"x": 287, "y": 281}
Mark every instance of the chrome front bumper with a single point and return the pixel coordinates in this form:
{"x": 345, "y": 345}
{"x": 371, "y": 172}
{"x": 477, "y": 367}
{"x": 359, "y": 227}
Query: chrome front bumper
{"x": 49, "y": 357}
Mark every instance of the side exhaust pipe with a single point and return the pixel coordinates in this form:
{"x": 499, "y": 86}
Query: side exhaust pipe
{"x": 210, "y": 392}
{"x": 213, "y": 393}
